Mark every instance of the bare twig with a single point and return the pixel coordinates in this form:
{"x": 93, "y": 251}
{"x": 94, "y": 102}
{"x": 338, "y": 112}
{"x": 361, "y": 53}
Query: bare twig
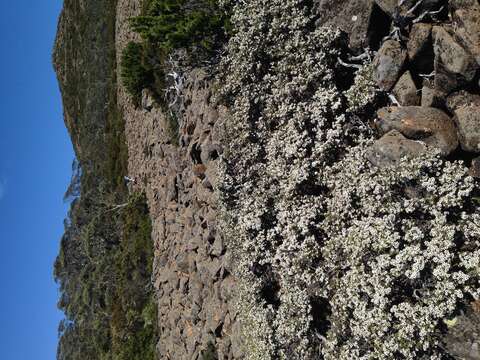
{"x": 355, "y": 66}
{"x": 394, "y": 100}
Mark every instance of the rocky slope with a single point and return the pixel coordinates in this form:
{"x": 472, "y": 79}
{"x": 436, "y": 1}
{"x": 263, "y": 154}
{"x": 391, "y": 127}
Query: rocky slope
{"x": 192, "y": 267}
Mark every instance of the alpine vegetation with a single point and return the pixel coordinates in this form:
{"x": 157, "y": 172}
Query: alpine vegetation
{"x": 335, "y": 258}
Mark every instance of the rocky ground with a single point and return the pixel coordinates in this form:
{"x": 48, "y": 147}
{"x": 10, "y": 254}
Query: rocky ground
{"x": 191, "y": 270}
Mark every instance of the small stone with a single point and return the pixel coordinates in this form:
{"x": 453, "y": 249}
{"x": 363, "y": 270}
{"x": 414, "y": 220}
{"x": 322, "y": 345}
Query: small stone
{"x": 430, "y": 97}
{"x": 405, "y": 91}
{"x": 147, "y": 100}
{"x": 217, "y": 247}
{"x": 392, "y": 147}
{"x": 462, "y": 98}
{"x": 171, "y": 189}
{"x": 419, "y": 39}
{"x": 430, "y": 125}
{"x": 475, "y": 172}
{"x": 388, "y": 64}
{"x": 214, "y": 267}
{"x": 467, "y": 119}
{"x": 182, "y": 262}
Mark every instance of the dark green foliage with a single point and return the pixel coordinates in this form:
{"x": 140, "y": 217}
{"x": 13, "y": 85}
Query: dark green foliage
{"x": 210, "y": 353}
{"x": 172, "y": 127}
{"x": 199, "y": 26}
{"x": 135, "y": 322}
{"x": 104, "y": 269}
{"x": 172, "y": 24}
{"x": 135, "y": 75}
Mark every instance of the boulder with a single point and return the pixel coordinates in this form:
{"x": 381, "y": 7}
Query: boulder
{"x": 430, "y": 97}
{"x": 351, "y": 16}
{"x": 464, "y": 4}
{"x": 388, "y": 64}
{"x": 462, "y": 98}
{"x": 467, "y": 119}
{"x": 468, "y": 30}
{"x": 405, "y": 91}
{"x": 420, "y": 37}
{"x": 430, "y": 125}
{"x": 392, "y": 147}
{"x": 388, "y": 6}
{"x": 451, "y": 56}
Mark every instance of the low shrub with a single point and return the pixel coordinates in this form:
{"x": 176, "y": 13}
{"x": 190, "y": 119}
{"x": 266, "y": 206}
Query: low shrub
{"x": 136, "y": 76}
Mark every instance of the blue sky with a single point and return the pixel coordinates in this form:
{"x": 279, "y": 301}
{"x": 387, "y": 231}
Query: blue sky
{"x": 35, "y": 168}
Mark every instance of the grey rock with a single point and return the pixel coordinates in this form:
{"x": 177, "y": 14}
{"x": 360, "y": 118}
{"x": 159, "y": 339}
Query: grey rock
{"x": 351, "y": 16}
{"x": 468, "y": 30}
{"x": 464, "y": 4}
{"x": 196, "y": 288}
{"x": 419, "y": 39}
{"x": 430, "y": 125}
{"x": 194, "y": 311}
{"x": 214, "y": 267}
{"x": 392, "y": 147}
{"x": 462, "y": 339}
{"x": 182, "y": 262}
{"x": 391, "y": 6}
{"x": 450, "y": 55}
{"x": 467, "y": 119}
{"x": 462, "y": 98}
{"x": 430, "y": 97}
{"x": 388, "y": 64}
{"x": 148, "y": 101}
{"x": 388, "y": 6}
{"x": 475, "y": 168}
{"x": 217, "y": 247}
{"x": 405, "y": 91}
{"x": 227, "y": 288}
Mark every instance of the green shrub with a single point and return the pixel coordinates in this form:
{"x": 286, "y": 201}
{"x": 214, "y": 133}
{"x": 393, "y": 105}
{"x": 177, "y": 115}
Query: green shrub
{"x": 199, "y": 26}
{"x": 135, "y": 75}
{"x": 172, "y": 24}
{"x": 210, "y": 353}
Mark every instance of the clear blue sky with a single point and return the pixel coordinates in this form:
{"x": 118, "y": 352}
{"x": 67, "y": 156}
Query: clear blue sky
{"x": 35, "y": 160}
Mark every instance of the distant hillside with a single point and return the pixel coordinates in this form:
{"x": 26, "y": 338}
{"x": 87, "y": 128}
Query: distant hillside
{"x": 105, "y": 260}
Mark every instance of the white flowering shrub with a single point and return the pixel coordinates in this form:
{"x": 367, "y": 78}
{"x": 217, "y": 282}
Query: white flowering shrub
{"x": 334, "y": 258}
{"x": 364, "y": 89}
{"x": 402, "y": 255}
